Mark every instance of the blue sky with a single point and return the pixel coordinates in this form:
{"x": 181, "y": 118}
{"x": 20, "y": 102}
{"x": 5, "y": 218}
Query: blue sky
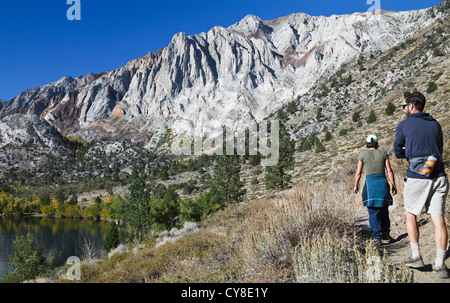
{"x": 39, "y": 45}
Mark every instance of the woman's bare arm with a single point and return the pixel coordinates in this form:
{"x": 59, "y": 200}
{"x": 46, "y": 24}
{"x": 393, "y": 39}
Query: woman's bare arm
{"x": 358, "y": 176}
{"x": 391, "y": 176}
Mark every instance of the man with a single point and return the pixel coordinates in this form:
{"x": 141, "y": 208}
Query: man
{"x": 418, "y": 137}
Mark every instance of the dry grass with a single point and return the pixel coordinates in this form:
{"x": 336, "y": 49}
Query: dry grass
{"x": 306, "y": 234}
{"x": 269, "y": 237}
{"x": 197, "y": 258}
{"x": 322, "y": 259}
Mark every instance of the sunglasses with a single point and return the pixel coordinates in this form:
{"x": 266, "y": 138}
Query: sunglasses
{"x": 405, "y": 105}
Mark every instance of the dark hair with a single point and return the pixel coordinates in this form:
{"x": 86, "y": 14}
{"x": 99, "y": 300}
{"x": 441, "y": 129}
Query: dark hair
{"x": 372, "y": 144}
{"x": 418, "y": 100}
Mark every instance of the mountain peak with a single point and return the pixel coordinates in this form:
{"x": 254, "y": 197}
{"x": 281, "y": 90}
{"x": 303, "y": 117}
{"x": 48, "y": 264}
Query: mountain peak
{"x": 62, "y": 82}
{"x": 249, "y": 24}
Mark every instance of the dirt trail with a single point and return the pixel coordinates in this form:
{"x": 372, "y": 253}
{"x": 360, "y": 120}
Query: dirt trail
{"x": 399, "y": 249}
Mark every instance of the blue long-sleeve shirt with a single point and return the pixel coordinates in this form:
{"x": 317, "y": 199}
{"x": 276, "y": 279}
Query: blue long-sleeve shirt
{"x": 420, "y": 135}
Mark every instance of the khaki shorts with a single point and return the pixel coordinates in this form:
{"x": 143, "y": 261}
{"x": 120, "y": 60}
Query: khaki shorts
{"x": 426, "y": 194}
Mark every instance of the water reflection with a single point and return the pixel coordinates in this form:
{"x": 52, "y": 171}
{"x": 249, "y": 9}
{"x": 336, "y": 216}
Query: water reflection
{"x": 64, "y": 236}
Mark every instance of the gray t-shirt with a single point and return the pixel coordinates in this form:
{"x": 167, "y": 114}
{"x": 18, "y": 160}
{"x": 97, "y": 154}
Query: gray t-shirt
{"x": 374, "y": 161}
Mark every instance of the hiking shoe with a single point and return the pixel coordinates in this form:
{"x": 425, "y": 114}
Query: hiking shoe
{"x": 414, "y": 263}
{"x": 378, "y": 242}
{"x": 441, "y": 272}
{"x": 387, "y": 237}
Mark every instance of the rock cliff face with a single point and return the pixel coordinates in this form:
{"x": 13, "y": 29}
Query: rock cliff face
{"x": 26, "y": 141}
{"x": 27, "y": 130}
{"x": 232, "y": 75}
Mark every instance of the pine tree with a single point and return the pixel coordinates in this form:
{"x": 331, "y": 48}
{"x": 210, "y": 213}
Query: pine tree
{"x": 45, "y": 199}
{"x": 292, "y": 107}
{"x": 60, "y": 195}
{"x": 319, "y": 147}
{"x": 431, "y": 87}
{"x": 372, "y": 117}
{"x": 281, "y": 115}
{"x": 227, "y": 186}
{"x": 304, "y": 145}
{"x": 328, "y": 136}
{"x": 111, "y": 238}
{"x": 390, "y": 109}
{"x": 73, "y": 200}
{"x": 308, "y": 142}
{"x": 276, "y": 175}
{"x": 165, "y": 212}
{"x": 255, "y": 159}
{"x": 319, "y": 114}
{"x": 356, "y": 117}
{"x": 116, "y": 172}
{"x": 164, "y": 175}
{"x": 136, "y": 211}
{"x": 361, "y": 67}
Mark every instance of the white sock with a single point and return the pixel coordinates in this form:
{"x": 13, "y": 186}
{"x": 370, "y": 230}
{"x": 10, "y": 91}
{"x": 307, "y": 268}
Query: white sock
{"x": 440, "y": 256}
{"x": 415, "y": 250}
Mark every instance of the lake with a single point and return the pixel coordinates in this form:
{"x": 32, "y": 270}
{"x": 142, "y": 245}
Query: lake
{"x": 63, "y": 236}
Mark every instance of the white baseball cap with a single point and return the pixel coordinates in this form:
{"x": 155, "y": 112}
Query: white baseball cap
{"x": 370, "y": 137}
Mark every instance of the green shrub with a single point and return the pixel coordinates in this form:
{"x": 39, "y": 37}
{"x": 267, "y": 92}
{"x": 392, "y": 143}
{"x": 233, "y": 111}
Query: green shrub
{"x": 328, "y": 136}
{"x": 356, "y": 117}
{"x": 48, "y": 210}
{"x": 164, "y": 175}
{"x": 28, "y": 260}
{"x": 343, "y": 132}
{"x": 319, "y": 147}
{"x": 304, "y": 145}
{"x": 92, "y": 211}
{"x": 195, "y": 209}
{"x": 372, "y": 117}
{"x": 73, "y": 200}
{"x": 390, "y": 109}
{"x": 61, "y": 209}
{"x": 431, "y": 87}
{"x": 72, "y": 211}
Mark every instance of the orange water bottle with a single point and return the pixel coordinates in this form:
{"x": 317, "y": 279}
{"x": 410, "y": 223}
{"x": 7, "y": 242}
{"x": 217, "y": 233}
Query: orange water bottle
{"x": 428, "y": 166}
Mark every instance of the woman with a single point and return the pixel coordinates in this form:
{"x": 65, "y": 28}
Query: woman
{"x": 376, "y": 193}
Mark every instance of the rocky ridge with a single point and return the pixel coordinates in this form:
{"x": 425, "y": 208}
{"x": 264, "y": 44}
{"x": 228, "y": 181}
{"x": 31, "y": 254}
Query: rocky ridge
{"x": 26, "y": 141}
{"x": 233, "y": 75}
